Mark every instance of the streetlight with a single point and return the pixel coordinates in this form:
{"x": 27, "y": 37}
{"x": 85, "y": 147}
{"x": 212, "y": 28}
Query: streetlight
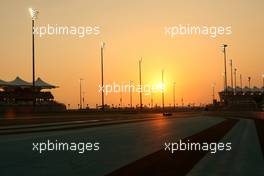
{"x": 162, "y": 73}
{"x": 34, "y": 14}
{"x": 83, "y": 100}
{"x": 241, "y": 83}
{"x": 231, "y": 71}
{"x": 174, "y": 84}
{"x": 263, "y": 80}
{"x": 235, "y": 70}
{"x": 224, "y": 47}
{"x": 102, "y": 72}
{"x": 140, "y": 83}
{"x": 213, "y": 87}
{"x": 130, "y": 92}
{"x": 151, "y": 98}
{"x": 249, "y": 79}
{"x": 121, "y": 98}
{"x": 81, "y": 93}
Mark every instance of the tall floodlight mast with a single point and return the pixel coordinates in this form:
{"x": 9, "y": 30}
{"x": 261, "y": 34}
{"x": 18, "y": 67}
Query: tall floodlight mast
{"x": 140, "y": 83}
{"x": 34, "y": 14}
{"x": 224, "y": 50}
{"x": 102, "y": 73}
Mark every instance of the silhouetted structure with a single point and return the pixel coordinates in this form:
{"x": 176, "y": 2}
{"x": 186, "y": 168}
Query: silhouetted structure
{"x": 242, "y": 99}
{"x": 19, "y": 95}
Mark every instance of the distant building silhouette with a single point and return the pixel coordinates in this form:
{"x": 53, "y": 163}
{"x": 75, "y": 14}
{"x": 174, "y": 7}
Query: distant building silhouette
{"x": 242, "y": 98}
{"x": 19, "y": 95}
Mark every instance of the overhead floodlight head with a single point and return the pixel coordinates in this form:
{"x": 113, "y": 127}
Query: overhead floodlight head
{"x": 224, "y": 45}
{"x": 33, "y": 13}
{"x": 102, "y": 44}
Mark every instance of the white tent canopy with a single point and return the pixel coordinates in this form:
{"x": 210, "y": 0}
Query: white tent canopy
{"x": 18, "y": 82}
{"x": 2, "y": 83}
{"x": 40, "y": 83}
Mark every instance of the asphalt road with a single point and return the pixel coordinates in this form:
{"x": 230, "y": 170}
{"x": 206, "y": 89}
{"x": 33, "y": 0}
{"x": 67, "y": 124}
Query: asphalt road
{"x": 119, "y": 145}
{"x": 245, "y": 158}
{"x": 124, "y": 143}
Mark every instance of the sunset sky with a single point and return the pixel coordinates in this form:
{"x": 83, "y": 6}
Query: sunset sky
{"x": 133, "y": 29}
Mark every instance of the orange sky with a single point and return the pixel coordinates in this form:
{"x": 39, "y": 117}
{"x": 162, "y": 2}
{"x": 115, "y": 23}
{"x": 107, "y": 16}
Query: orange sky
{"x": 133, "y": 29}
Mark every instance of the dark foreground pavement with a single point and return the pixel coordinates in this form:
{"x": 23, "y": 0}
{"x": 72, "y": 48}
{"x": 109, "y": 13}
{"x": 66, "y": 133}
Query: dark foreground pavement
{"x": 137, "y": 147}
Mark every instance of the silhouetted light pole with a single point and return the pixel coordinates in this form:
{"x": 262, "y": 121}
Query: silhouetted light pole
{"x": 174, "y": 105}
{"x": 213, "y": 95}
{"x": 162, "y": 74}
{"x": 121, "y": 99}
{"x": 102, "y": 72}
{"x": 83, "y": 105}
{"x": 231, "y": 71}
{"x": 81, "y": 93}
{"x": 241, "y": 83}
{"x": 140, "y": 84}
{"x": 130, "y": 92}
{"x": 249, "y": 79}
{"x": 263, "y": 80}
{"x": 224, "y": 47}
{"x": 151, "y": 98}
{"x": 235, "y": 70}
{"x": 34, "y": 14}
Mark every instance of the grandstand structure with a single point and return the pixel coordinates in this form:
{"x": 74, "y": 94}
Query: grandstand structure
{"x": 246, "y": 98}
{"x": 20, "y": 96}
